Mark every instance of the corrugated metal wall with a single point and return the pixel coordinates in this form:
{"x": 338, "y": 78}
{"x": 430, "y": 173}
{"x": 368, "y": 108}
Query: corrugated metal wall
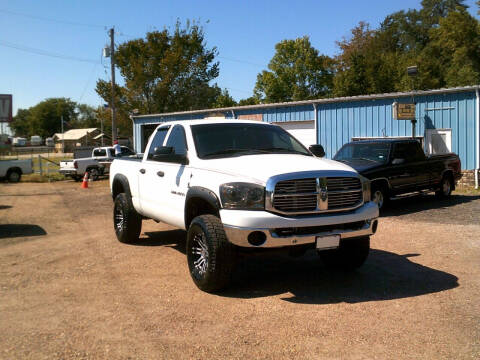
{"x": 339, "y": 122}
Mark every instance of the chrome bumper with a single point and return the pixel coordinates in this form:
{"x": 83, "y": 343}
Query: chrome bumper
{"x": 239, "y": 235}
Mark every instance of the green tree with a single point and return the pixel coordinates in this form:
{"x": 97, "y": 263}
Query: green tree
{"x": 20, "y": 124}
{"x": 44, "y": 119}
{"x": 296, "y": 72}
{"x": 224, "y": 99}
{"x": 252, "y": 100}
{"x": 165, "y": 72}
{"x": 455, "y": 49}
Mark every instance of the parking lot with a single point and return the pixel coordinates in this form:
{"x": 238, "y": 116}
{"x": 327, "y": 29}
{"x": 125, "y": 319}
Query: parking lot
{"x": 69, "y": 290}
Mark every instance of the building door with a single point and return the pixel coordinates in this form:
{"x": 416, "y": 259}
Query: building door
{"x": 439, "y": 141}
{"x": 303, "y": 131}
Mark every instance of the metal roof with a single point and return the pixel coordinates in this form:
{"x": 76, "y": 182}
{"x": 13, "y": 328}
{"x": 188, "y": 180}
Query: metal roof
{"x": 74, "y": 134}
{"x": 319, "y": 101}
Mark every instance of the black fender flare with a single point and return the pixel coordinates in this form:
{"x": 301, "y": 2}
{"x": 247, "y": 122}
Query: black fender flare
{"x": 204, "y": 194}
{"x": 121, "y": 181}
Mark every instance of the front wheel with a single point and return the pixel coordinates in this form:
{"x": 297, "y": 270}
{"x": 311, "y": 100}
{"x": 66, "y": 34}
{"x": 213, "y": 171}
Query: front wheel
{"x": 446, "y": 187}
{"x": 210, "y": 256}
{"x": 380, "y": 196}
{"x": 350, "y": 255}
{"x": 14, "y": 176}
{"x": 126, "y": 221}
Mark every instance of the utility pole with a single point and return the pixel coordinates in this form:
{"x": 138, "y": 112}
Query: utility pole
{"x": 112, "y": 100}
{"x": 63, "y": 136}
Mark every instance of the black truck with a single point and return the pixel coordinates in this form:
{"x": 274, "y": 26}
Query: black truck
{"x": 399, "y": 166}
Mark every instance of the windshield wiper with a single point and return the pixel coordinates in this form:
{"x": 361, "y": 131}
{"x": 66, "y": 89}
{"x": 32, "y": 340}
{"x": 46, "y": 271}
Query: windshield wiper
{"x": 234, "y": 152}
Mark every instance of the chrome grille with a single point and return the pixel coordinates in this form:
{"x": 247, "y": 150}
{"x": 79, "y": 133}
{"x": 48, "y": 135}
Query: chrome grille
{"x": 309, "y": 195}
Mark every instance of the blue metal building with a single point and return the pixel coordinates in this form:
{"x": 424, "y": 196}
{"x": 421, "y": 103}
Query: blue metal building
{"x": 447, "y": 120}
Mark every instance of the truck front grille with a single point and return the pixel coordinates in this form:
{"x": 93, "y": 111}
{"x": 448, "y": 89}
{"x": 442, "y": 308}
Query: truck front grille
{"x": 312, "y": 195}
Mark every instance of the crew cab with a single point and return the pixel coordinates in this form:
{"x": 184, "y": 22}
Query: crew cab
{"x": 12, "y": 170}
{"x": 96, "y": 165}
{"x": 399, "y": 166}
{"x": 239, "y": 186}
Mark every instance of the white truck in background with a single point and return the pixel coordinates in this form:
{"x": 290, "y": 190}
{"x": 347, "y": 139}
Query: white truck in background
{"x": 241, "y": 186}
{"x": 96, "y": 165}
{"x": 12, "y": 170}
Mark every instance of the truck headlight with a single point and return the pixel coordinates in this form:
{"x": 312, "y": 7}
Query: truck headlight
{"x": 367, "y": 196}
{"x": 242, "y": 196}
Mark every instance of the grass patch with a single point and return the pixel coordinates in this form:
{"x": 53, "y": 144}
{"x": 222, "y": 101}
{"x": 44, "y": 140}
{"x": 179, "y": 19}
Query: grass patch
{"x": 37, "y": 178}
{"x": 467, "y": 190}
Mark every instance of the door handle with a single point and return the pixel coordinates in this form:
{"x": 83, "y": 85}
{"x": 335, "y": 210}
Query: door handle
{"x": 160, "y": 173}
{"x": 142, "y": 171}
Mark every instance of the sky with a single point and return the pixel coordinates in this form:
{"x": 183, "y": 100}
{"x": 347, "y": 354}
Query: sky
{"x": 244, "y": 32}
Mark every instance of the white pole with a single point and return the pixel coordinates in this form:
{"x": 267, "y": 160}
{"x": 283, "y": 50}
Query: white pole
{"x": 477, "y": 135}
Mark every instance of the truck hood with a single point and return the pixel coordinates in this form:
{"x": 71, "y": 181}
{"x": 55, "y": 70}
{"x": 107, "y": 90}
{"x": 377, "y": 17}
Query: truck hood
{"x": 261, "y": 167}
{"x": 362, "y": 166}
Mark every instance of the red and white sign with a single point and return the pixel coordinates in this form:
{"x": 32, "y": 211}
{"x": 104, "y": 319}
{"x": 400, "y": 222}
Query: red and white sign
{"x": 5, "y": 108}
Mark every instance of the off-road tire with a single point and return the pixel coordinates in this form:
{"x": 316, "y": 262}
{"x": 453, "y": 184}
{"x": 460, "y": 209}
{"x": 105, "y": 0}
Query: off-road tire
{"x": 380, "y": 195}
{"x": 219, "y": 253}
{"x": 127, "y": 223}
{"x": 14, "y": 176}
{"x": 446, "y": 186}
{"x": 350, "y": 255}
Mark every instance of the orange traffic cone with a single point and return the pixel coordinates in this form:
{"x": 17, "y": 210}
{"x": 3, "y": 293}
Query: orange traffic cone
{"x": 85, "y": 181}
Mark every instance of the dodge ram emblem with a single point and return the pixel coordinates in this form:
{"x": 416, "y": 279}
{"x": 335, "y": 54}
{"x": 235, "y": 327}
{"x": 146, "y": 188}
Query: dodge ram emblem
{"x": 322, "y": 191}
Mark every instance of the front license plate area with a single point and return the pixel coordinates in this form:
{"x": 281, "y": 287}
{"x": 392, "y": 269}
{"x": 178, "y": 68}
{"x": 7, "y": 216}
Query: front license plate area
{"x": 327, "y": 242}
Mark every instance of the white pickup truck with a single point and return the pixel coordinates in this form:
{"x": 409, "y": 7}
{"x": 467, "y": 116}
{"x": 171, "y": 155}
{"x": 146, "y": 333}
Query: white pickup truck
{"x": 96, "y": 165}
{"x": 12, "y": 170}
{"x": 237, "y": 186}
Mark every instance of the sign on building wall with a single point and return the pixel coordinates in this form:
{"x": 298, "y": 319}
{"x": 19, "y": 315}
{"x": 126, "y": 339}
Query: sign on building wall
{"x": 256, "y": 117}
{"x": 5, "y": 108}
{"x": 403, "y": 111}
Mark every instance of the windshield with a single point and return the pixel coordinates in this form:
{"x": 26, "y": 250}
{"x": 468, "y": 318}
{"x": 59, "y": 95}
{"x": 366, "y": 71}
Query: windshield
{"x": 226, "y": 140}
{"x": 377, "y": 152}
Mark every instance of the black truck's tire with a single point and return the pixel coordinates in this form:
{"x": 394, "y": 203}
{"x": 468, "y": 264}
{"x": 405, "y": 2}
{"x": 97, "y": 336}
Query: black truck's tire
{"x": 380, "y": 195}
{"x": 446, "y": 186}
{"x": 210, "y": 256}
{"x": 127, "y": 222}
{"x": 351, "y": 254}
{"x": 14, "y": 176}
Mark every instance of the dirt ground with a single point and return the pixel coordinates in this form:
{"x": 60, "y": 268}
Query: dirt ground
{"x": 69, "y": 290}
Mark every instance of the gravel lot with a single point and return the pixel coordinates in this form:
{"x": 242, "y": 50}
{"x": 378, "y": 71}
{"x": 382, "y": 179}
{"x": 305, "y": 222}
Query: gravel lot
{"x": 69, "y": 290}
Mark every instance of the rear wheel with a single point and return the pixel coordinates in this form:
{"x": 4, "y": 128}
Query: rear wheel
{"x": 126, "y": 221}
{"x": 350, "y": 255}
{"x": 210, "y": 256}
{"x": 446, "y": 186}
{"x": 93, "y": 173}
{"x": 14, "y": 176}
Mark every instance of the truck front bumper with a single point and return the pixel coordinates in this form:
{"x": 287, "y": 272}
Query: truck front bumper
{"x": 262, "y": 229}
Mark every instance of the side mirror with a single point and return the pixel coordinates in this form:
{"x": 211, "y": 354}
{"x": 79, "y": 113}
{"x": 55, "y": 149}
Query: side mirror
{"x": 163, "y": 150}
{"x": 317, "y": 150}
{"x": 398, "y": 161}
{"x": 167, "y": 154}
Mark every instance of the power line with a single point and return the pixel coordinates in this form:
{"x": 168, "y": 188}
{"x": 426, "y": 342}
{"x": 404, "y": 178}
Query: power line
{"x": 52, "y": 20}
{"x": 241, "y": 61}
{"x": 45, "y": 53}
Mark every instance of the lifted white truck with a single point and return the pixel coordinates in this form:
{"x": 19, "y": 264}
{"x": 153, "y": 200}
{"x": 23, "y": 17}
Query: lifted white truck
{"x": 242, "y": 185}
